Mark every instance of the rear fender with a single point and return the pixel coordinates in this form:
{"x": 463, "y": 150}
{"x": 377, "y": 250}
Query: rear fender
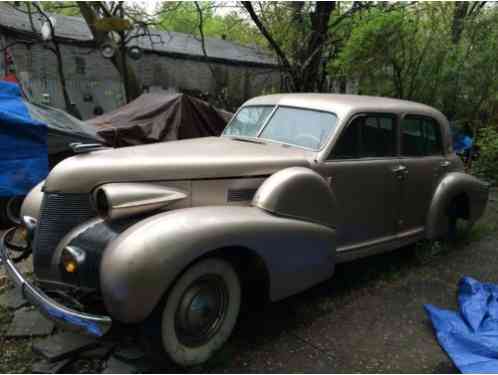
{"x": 453, "y": 185}
{"x": 140, "y": 265}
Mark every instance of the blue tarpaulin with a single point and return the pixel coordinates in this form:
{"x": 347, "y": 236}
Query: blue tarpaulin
{"x": 462, "y": 143}
{"x": 23, "y": 144}
{"x": 470, "y": 335}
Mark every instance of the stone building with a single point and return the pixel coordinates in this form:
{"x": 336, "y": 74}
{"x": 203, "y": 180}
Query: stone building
{"x": 174, "y": 61}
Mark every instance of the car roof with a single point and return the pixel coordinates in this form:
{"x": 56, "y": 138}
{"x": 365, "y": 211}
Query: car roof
{"x": 343, "y": 104}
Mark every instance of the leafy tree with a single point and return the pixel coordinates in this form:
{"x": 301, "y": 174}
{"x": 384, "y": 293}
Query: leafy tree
{"x": 184, "y": 17}
{"x": 414, "y": 52}
{"x": 136, "y": 24}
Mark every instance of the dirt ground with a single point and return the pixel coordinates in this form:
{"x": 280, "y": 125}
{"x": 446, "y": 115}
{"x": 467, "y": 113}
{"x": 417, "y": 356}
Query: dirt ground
{"x": 369, "y": 317}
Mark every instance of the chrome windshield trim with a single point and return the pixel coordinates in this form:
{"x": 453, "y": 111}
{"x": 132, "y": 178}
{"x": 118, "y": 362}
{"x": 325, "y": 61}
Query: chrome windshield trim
{"x": 327, "y": 141}
{"x": 263, "y": 125}
{"x": 94, "y": 325}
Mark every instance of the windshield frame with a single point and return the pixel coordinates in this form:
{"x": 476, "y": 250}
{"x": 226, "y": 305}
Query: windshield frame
{"x": 270, "y": 116}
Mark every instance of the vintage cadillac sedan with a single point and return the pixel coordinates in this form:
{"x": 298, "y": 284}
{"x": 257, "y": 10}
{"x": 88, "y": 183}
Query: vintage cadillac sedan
{"x": 173, "y": 236}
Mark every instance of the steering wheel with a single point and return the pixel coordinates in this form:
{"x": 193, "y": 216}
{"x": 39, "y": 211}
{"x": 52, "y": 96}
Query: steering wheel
{"x": 309, "y": 140}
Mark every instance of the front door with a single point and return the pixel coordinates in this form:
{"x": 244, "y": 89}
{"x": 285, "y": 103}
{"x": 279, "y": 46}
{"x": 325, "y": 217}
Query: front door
{"x": 424, "y": 163}
{"x": 361, "y": 170}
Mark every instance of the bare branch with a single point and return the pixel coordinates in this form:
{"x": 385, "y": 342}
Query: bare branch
{"x": 280, "y": 53}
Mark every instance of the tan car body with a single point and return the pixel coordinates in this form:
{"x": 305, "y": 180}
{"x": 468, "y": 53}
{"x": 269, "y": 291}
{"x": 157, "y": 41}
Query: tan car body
{"x": 292, "y": 213}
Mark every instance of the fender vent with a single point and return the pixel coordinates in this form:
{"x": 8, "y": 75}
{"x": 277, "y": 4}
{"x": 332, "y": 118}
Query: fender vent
{"x": 240, "y": 195}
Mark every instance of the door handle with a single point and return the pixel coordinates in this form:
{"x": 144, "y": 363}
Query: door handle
{"x": 445, "y": 164}
{"x": 399, "y": 168}
{"x": 400, "y": 171}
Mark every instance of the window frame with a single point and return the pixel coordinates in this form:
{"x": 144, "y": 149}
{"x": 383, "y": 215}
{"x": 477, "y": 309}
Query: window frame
{"x": 329, "y": 135}
{"x": 354, "y": 117}
{"x": 260, "y": 128}
{"x": 270, "y": 116}
{"x": 421, "y": 118}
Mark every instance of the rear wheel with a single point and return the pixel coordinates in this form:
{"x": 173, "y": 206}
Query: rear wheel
{"x": 455, "y": 216}
{"x": 200, "y": 312}
{"x": 452, "y": 222}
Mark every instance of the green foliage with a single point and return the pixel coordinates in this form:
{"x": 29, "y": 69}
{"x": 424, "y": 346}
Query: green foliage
{"x": 184, "y": 17}
{"x": 66, "y": 8}
{"x": 408, "y": 52}
{"x": 487, "y": 164}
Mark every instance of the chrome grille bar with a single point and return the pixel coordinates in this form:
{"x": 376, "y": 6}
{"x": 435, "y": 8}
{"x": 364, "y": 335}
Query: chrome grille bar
{"x": 60, "y": 212}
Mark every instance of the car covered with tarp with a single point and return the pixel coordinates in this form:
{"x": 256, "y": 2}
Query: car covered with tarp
{"x": 160, "y": 117}
{"x": 33, "y": 138}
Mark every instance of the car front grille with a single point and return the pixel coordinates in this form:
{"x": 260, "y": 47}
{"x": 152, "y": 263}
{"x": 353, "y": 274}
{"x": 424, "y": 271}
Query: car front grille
{"x": 60, "y": 212}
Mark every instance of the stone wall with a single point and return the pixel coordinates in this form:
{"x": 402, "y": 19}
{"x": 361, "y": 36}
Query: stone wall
{"x": 93, "y": 81}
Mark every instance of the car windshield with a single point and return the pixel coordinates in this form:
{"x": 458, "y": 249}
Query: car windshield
{"x": 293, "y": 126}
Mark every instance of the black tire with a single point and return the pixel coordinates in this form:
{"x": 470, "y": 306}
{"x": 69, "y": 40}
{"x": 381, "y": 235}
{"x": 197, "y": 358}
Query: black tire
{"x": 9, "y": 211}
{"x": 452, "y": 215}
{"x": 199, "y": 313}
{"x": 4, "y": 220}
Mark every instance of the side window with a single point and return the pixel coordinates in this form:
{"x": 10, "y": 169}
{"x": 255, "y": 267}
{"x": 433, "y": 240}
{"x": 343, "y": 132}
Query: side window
{"x": 433, "y": 140}
{"x": 347, "y": 146}
{"x": 421, "y": 136}
{"x": 367, "y": 136}
{"x": 378, "y": 137}
{"x": 412, "y": 138}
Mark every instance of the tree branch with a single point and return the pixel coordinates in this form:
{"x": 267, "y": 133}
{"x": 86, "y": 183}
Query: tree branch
{"x": 280, "y": 53}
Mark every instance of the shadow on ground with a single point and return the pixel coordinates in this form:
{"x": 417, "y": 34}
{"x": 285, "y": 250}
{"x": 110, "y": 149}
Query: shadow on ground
{"x": 369, "y": 317}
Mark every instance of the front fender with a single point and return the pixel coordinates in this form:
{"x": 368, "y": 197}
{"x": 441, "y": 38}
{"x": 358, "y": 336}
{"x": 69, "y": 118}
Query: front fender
{"x": 139, "y": 266}
{"x": 32, "y": 202}
{"x": 451, "y": 186}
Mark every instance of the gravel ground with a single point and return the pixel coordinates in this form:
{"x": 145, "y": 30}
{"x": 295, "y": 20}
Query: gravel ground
{"x": 369, "y": 317}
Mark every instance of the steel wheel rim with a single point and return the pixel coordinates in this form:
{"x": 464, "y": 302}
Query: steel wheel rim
{"x": 201, "y": 310}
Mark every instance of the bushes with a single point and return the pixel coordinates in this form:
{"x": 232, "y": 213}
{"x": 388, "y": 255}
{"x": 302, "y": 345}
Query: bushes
{"x": 487, "y": 164}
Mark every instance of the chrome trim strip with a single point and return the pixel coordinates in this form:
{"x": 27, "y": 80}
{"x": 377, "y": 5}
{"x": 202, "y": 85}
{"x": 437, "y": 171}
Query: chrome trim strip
{"x": 94, "y": 325}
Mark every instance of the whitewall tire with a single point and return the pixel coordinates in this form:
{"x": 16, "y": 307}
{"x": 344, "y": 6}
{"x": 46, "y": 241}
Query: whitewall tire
{"x": 200, "y": 312}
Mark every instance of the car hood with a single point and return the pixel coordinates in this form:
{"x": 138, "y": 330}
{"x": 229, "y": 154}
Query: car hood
{"x": 200, "y": 158}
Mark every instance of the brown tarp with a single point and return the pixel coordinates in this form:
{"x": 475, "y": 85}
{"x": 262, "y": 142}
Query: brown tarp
{"x": 160, "y": 117}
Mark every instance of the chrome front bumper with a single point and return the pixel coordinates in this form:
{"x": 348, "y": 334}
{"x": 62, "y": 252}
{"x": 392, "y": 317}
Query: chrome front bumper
{"x": 95, "y": 325}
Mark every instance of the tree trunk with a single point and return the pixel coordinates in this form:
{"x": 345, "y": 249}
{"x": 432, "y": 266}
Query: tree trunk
{"x": 301, "y": 69}
{"x": 128, "y": 76}
{"x": 319, "y": 36}
{"x": 70, "y": 106}
{"x": 458, "y": 24}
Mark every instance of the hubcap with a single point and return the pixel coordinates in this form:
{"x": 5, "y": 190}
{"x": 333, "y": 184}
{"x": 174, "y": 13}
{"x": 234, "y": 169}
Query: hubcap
{"x": 201, "y": 310}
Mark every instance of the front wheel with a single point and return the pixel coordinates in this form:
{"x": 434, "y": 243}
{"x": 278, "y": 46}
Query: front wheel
{"x": 200, "y": 312}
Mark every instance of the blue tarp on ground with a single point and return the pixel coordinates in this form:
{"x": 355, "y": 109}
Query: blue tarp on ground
{"x": 470, "y": 335}
{"x": 23, "y": 144}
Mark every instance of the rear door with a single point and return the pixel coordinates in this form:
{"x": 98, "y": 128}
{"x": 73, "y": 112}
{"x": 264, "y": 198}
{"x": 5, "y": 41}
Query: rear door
{"x": 424, "y": 163}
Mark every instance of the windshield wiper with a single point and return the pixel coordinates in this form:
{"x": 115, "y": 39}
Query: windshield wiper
{"x": 247, "y": 140}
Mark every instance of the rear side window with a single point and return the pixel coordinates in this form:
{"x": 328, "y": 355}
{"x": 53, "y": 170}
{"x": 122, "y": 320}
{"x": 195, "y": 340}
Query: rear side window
{"x": 367, "y": 136}
{"x": 421, "y": 136}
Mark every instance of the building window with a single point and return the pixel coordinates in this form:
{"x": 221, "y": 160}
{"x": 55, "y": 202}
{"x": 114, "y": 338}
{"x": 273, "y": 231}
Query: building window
{"x": 80, "y": 65}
